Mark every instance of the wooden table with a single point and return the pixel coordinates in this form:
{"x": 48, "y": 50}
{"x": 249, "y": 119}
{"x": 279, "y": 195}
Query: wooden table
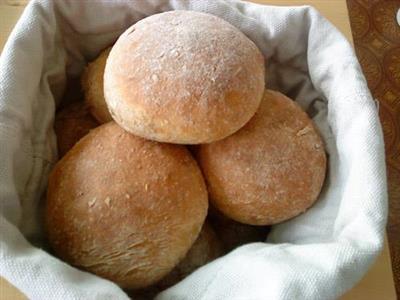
{"x": 378, "y": 283}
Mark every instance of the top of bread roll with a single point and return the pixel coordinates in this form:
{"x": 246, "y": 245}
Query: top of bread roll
{"x": 183, "y": 77}
{"x": 125, "y": 208}
{"x": 269, "y": 171}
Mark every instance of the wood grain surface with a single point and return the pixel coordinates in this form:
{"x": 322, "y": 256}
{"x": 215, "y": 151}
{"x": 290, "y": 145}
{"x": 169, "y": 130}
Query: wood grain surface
{"x": 377, "y": 43}
{"x": 378, "y": 283}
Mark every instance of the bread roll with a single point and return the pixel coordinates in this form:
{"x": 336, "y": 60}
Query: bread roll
{"x": 125, "y": 208}
{"x": 71, "y": 124}
{"x": 269, "y": 171}
{"x": 233, "y": 234}
{"x": 93, "y": 87}
{"x": 206, "y": 248}
{"x": 183, "y": 77}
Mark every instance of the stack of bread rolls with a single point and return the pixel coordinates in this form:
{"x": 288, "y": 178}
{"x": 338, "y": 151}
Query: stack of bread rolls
{"x": 128, "y": 202}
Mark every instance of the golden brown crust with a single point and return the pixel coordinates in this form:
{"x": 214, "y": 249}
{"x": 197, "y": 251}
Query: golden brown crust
{"x": 206, "y": 248}
{"x": 125, "y": 208}
{"x": 93, "y": 87}
{"x": 183, "y": 77}
{"x": 71, "y": 124}
{"x": 270, "y": 170}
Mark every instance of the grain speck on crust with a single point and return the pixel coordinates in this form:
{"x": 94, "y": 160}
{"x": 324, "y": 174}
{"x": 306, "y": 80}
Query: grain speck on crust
{"x": 304, "y": 131}
{"x": 154, "y": 77}
{"x": 92, "y": 202}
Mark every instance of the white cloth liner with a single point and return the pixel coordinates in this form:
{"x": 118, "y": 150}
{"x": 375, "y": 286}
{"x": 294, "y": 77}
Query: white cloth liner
{"x": 318, "y": 255}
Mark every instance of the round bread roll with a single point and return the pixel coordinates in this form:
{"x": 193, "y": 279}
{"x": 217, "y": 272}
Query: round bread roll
{"x": 206, "y": 248}
{"x": 183, "y": 77}
{"x": 125, "y": 208}
{"x": 93, "y": 87}
{"x": 233, "y": 234}
{"x": 269, "y": 171}
{"x": 71, "y": 124}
